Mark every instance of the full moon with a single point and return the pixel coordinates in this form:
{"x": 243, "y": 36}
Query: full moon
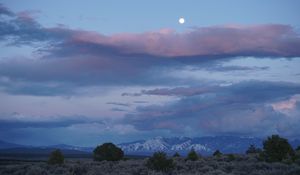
{"x": 181, "y": 20}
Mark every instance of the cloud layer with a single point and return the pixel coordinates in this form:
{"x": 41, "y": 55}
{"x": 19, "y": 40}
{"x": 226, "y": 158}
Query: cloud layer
{"x": 271, "y": 40}
{"x": 83, "y": 58}
{"x": 246, "y": 108}
{"x": 158, "y": 65}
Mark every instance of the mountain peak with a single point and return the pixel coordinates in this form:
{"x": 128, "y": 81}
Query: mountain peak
{"x": 205, "y": 145}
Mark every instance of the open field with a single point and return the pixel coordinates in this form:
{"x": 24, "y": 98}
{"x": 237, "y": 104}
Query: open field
{"x": 240, "y": 165}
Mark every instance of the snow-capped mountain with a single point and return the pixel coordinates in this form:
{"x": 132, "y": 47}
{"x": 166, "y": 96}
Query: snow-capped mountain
{"x": 154, "y": 144}
{"x": 204, "y": 145}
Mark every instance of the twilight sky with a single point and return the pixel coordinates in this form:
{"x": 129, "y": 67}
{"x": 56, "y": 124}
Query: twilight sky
{"x": 87, "y": 72}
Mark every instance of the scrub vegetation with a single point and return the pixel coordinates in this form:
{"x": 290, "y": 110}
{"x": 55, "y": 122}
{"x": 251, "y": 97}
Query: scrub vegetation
{"x": 276, "y": 158}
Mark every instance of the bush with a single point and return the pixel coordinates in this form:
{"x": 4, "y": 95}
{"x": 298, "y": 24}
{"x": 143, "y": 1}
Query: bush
{"x": 192, "y": 155}
{"x": 276, "y": 149}
{"x": 56, "y": 157}
{"x": 217, "y": 153}
{"x": 34, "y": 170}
{"x": 176, "y": 155}
{"x": 160, "y": 162}
{"x": 297, "y": 155}
{"x": 253, "y": 150}
{"x": 109, "y": 152}
{"x": 231, "y": 157}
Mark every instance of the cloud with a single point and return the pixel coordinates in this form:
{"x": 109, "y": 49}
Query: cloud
{"x": 238, "y": 109}
{"x": 260, "y": 90}
{"x": 16, "y": 120}
{"x": 175, "y": 91}
{"x": 86, "y": 58}
{"x": 235, "y": 68}
{"x": 289, "y": 107}
{"x": 131, "y": 94}
{"x": 210, "y": 42}
{"x": 36, "y": 88}
{"x": 289, "y": 104}
{"x": 269, "y": 40}
{"x": 203, "y": 43}
{"x": 76, "y": 130}
{"x": 5, "y": 11}
{"x": 70, "y": 59}
{"x": 178, "y": 91}
{"x": 119, "y": 104}
{"x": 140, "y": 102}
{"x": 118, "y": 110}
{"x": 291, "y": 125}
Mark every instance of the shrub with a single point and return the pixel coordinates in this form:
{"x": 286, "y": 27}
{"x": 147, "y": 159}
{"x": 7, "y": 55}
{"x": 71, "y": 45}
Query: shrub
{"x": 192, "y": 155}
{"x": 276, "y": 149}
{"x": 253, "y": 150}
{"x": 160, "y": 162}
{"x": 34, "y": 170}
{"x": 176, "y": 155}
{"x": 297, "y": 155}
{"x": 231, "y": 157}
{"x": 109, "y": 152}
{"x": 56, "y": 157}
{"x": 217, "y": 153}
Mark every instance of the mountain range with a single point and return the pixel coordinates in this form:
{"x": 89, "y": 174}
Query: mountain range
{"x": 203, "y": 145}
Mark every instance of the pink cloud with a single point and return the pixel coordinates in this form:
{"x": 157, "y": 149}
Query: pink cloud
{"x": 270, "y": 40}
{"x": 287, "y": 107}
{"x": 258, "y": 40}
{"x": 28, "y": 15}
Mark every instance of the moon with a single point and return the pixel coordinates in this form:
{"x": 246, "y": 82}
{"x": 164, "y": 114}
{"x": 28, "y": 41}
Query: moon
{"x": 181, "y": 20}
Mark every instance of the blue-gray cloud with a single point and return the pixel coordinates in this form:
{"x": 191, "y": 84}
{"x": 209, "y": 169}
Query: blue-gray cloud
{"x": 11, "y": 122}
{"x": 259, "y": 90}
{"x": 242, "y": 109}
{"x": 119, "y": 104}
{"x": 235, "y": 68}
{"x": 74, "y": 59}
{"x": 5, "y": 11}
{"x": 177, "y": 91}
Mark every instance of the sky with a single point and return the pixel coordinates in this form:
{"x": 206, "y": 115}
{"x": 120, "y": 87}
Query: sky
{"x": 88, "y": 72}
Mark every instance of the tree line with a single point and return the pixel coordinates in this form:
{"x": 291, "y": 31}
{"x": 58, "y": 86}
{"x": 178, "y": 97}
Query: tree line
{"x": 275, "y": 149}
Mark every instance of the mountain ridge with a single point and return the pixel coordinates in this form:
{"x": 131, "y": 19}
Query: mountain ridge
{"x": 204, "y": 145}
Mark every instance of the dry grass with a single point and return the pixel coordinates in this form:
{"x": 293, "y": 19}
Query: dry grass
{"x": 241, "y": 165}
